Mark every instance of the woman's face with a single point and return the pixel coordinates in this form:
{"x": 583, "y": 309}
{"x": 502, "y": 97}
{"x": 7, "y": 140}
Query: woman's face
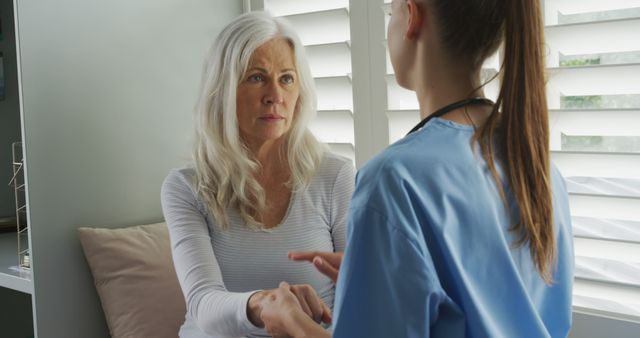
{"x": 268, "y": 93}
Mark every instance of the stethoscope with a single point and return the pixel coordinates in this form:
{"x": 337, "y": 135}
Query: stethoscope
{"x": 453, "y": 106}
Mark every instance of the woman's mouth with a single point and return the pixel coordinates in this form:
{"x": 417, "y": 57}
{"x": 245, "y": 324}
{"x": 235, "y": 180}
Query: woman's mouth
{"x": 271, "y": 118}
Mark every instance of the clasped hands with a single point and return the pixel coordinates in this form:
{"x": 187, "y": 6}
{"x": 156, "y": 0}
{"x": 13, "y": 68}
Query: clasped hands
{"x": 285, "y": 309}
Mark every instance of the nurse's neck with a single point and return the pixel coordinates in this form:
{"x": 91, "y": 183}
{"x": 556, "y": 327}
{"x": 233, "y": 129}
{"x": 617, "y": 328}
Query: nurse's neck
{"x": 440, "y": 81}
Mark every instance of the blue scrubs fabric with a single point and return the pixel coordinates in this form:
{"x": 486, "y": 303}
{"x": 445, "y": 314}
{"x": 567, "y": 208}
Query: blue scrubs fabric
{"x": 430, "y": 253}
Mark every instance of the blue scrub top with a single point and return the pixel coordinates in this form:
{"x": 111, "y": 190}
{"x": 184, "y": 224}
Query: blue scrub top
{"x": 430, "y": 254}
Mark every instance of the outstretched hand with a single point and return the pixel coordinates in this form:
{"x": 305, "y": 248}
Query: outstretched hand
{"x": 326, "y": 262}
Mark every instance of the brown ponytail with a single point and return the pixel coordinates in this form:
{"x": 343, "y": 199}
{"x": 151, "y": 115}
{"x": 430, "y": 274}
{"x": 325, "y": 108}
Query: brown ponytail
{"x": 519, "y": 126}
{"x": 523, "y": 131}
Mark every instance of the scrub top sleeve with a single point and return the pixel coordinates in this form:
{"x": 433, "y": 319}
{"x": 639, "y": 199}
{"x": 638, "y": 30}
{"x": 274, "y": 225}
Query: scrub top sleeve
{"x": 387, "y": 285}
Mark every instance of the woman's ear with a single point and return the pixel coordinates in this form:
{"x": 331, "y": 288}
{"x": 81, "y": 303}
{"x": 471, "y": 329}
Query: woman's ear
{"x": 416, "y": 18}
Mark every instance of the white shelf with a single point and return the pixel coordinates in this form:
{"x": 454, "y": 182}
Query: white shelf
{"x": 11, "y": 276}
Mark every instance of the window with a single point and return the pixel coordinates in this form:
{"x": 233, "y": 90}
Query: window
{"x": 593, "y": 90}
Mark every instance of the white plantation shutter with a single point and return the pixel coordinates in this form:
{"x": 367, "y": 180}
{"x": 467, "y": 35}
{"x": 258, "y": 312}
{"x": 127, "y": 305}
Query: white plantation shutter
{"x": 594, "y": 101}
{"x": 323, "y": 27}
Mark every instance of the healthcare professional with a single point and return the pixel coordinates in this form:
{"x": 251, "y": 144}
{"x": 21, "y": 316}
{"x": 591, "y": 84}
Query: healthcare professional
{"x": 461, "y": 228}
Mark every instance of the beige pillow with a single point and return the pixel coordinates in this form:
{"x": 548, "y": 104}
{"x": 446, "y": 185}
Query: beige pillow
{"x": 136, "y": 281}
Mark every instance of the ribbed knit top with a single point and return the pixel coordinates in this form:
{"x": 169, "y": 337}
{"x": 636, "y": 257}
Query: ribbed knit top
{"x": 219, "y": 270}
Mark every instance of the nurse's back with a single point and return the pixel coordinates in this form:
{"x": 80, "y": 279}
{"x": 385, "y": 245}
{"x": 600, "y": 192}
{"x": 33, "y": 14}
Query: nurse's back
{"x": 433, "y": 200}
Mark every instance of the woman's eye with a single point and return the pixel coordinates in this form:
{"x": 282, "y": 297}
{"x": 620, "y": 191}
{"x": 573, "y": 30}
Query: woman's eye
{"x": 288, "y": 79}
{"x": 256, "y": 78}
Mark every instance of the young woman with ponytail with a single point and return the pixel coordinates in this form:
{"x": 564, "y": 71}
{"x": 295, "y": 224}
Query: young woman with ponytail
{"x": 462, "y": 228}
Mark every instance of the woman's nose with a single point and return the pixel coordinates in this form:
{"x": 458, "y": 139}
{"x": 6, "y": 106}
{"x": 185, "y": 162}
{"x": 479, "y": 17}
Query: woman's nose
{"x": 273, "y": 95}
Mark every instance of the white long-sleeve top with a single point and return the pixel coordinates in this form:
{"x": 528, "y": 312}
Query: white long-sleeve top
{"x": 219, "y": 270}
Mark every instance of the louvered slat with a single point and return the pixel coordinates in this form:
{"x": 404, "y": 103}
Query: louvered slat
{"x": 340, "y": 123}
{"x": 592, "y": 80}
{"x": 594, "y": 121}
{"x": 322, "y": 27}
{"x": 581, "y": 38}
{"x": 328, "y": 60}
{"x": 609, "y": 229}
{"x": 598, "y": 164}
{"x": 603, "y": 186}
{"x": 614, "y": 262}
{"x": 334, "y": 93}
{"x": 607, "y": 297}
{"x": 603, "y": 207}
{"x": 291, "y": 7}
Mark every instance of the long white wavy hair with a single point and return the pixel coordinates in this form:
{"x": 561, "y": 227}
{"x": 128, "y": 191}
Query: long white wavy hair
{"x": 225, "y": 170}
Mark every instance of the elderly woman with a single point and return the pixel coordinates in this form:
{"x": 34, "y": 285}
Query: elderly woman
{"x": 260, "y": 185}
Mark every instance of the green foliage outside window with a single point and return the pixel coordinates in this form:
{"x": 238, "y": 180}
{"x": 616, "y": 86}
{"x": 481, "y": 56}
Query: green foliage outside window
{"x": 579, "y": 62}
{"x": 581, "y": 102}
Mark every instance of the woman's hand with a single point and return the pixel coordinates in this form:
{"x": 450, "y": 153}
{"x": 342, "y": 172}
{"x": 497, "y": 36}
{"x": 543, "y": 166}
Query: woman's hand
{"x": 306, "y": 300}
{"x": 283, "y": 316}
{"x": 326, "y": 262}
